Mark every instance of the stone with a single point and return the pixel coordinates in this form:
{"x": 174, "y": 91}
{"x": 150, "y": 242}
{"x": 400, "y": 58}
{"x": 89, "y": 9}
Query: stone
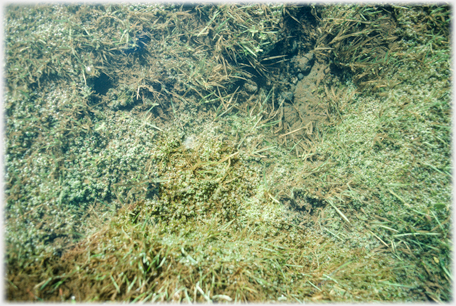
{"x": 305, "y": 62}
{"x": 287, "y": 96}
{"x": 250, "y": 86}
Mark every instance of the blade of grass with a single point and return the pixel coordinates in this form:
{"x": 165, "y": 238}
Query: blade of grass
{"x": 115, "y": 284}
{"x": 314, "y": 286}
{"x": 202, "y": 293}
{"x": 338, "y": 211}
{"x": 416, "y": 234}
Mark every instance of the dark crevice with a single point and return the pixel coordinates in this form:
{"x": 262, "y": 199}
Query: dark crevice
{"x": 102, "y": 84}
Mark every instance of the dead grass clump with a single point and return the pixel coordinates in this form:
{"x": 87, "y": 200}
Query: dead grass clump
{"x": 361, "y": 38}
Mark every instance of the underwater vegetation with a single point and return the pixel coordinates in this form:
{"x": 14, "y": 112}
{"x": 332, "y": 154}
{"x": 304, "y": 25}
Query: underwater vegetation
{"x": 228, "y": 153}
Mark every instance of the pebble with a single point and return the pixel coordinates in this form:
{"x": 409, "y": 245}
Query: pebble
{"x": 250, "y": 87}
{"x": 305, "y": 62}
{"x": 287, "y": 96}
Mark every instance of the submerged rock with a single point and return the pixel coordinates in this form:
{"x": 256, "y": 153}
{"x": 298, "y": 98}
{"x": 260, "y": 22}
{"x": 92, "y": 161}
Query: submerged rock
{"x": 287, "y": 96}
{"x": 250, "y": 86}
{"x": 305, "y": 62}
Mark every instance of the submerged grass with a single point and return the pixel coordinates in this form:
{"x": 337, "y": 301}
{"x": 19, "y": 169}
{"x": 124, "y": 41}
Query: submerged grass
{"x": 235, "y": 246}
{"x": 155, "y": 174}
{"x": 391, "y": 150}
